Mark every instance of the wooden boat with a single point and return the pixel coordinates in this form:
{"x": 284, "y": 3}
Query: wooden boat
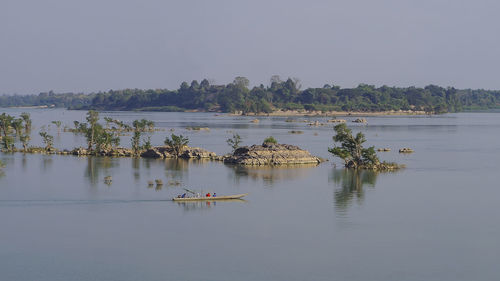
{"x": 228, "y": 197}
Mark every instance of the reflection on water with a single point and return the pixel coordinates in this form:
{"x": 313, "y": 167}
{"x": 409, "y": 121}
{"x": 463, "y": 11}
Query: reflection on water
{"x": 136, "y": 168}
{"x": 205, "y": 205}
{"x": 95, "y": 167}
{"x": 269, "y": 174}
{"x": 196, "y": 206}
{"x": 175, "y": 168}
{"x": 46, "y": 162}
{"x": 349, "y": 186}
{"x": 24, "y": 162}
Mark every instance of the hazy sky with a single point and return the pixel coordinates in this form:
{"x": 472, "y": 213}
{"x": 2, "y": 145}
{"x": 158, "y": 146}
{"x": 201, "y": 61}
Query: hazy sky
{"x": 92, "y": 45}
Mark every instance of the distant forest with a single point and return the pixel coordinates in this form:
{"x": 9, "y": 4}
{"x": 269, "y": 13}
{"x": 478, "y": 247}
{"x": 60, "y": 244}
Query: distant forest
{"x": 281, "y": 94}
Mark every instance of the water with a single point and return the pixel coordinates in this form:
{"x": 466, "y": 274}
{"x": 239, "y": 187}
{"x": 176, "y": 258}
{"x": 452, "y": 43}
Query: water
{"x": 435, "y": 220}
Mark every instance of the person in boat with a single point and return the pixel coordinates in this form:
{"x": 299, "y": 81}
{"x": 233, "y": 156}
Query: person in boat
{"x": 183, "y": 195}
{"x": 215, "y": 194}
{"x": 207, "y": 195}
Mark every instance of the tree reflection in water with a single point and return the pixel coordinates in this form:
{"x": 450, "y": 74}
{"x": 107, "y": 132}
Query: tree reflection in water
{"x": 95, "y": 167}
{"x": 349, "y": 186}
{"x": 136, "y": 165}
{"x": 270, "y": 174}
{"x": 175, "y": 168}
{"x": 46, "y": 162}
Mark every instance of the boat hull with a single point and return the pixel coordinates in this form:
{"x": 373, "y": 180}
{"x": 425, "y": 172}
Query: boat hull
{"x": 237, "y": 196}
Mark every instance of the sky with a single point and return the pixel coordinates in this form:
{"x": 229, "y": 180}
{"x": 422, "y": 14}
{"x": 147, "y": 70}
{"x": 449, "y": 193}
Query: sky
{"x": 98, "y": 45}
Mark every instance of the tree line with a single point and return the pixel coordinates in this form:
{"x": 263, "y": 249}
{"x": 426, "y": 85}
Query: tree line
{"x": 280, "y": 94}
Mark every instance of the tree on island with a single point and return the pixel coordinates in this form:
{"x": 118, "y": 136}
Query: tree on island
{"x": 48, "y": 140}
{"x": 27, "y": 121}
{"x": 92, "y": 119}
{"x": 25, "y": 138}
{"x": 5, "y": 130}
{"x": 58, "y": 125}
{"x": 98, "y": 138}
{"x": 353, "y": 153}
{"x": 234, "y": 142}
{"x": 141, "y": 126}
{"x": 11, "y": 128}
{"x": 177, "y": 143}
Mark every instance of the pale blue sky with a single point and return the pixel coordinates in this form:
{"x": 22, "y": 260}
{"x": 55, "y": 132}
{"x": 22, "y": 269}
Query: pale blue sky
{"x": 93, "y": 45}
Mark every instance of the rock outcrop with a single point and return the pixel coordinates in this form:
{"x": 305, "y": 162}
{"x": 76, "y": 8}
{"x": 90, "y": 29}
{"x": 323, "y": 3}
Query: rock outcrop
{"x": 406, "y": 150}
{"x": 188, "y": 153}
{"x": 271, "y": 154}
{"x": 197, "y": 153}
{"x": 115, "y": 152}
{"x": 360, "y": 120}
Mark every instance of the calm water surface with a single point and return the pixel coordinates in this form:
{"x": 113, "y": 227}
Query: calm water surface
{"x": 435, "y": 220}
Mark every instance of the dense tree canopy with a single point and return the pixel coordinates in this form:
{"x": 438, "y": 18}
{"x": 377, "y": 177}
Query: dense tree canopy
{"x": 280, "y": 94}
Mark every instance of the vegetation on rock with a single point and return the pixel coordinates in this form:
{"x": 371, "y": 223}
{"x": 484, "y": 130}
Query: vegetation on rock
{"x": 270, "y": 140}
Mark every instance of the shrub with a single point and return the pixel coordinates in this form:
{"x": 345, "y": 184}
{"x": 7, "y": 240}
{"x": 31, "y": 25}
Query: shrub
{"x": 270, "y": 140}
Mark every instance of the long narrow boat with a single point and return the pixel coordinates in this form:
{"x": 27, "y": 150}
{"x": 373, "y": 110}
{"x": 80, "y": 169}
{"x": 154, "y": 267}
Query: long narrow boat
{"x": 237, "y": 196}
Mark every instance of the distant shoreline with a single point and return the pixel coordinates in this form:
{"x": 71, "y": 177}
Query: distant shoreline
{"x": 31, "y": 107}
{"x": 277, "y": 113}
{"x": 334, "y": 113}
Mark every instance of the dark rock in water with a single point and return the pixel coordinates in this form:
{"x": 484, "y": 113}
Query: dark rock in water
{"x": 271, "y": 154}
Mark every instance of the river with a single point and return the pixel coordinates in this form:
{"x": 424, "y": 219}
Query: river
{"x": 437, "y": 219}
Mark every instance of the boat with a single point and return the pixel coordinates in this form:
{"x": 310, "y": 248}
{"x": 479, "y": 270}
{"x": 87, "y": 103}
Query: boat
{"x": 227, "y": 197}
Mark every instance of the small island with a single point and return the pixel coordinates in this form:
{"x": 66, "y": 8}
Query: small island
{"x": 271, "y": 153}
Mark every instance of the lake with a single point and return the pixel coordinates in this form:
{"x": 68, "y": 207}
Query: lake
{"x": 437, "y": 219}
